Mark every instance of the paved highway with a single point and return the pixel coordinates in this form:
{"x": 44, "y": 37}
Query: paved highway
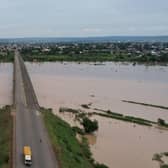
{"x": 29, "y": 127}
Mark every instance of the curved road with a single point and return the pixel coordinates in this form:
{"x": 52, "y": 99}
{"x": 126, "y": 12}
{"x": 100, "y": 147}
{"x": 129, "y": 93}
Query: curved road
{"x": 29, "y": 123}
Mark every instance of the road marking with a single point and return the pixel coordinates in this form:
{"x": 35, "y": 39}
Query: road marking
{"x": 37, "y": 113}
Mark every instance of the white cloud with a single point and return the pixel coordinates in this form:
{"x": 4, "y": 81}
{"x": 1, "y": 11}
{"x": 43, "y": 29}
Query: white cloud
{"x": 83, "y": 18}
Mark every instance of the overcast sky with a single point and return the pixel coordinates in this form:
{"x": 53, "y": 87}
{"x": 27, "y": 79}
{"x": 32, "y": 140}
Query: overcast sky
{"x": 72, "y": 18}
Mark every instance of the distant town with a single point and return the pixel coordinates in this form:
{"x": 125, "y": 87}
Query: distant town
{"x": 143, "y": 52}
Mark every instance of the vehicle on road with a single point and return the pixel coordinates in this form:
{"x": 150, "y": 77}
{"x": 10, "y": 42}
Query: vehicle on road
{"x": 27, "y": 155}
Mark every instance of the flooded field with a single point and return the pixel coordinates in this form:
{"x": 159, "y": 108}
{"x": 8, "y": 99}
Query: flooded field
{"x": 6, "y": 83}
{"x": 117, "y": 144}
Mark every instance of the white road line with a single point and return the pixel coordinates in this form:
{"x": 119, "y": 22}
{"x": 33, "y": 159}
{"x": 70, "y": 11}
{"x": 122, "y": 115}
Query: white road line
{"x": 37, "y": 113}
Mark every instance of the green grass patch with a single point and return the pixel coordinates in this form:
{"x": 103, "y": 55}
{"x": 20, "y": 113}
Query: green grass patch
{"x": 5, "y": 136}
{"x": 70, "y": 153}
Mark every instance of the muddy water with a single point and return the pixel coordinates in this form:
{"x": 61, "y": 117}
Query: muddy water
{"x": 121, "y": 144}
{"x": 117, "y": 144}
{"x": 6, "y": 83}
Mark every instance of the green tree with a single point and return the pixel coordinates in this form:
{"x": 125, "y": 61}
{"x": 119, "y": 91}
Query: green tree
{"x": 89, "y": 125}
{"x": 161, "y": 122}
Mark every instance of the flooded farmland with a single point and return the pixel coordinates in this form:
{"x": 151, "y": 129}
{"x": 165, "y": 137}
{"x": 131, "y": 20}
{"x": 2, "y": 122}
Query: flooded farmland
{"x": 6, "y": 83}
{"x": 117, "y": 144}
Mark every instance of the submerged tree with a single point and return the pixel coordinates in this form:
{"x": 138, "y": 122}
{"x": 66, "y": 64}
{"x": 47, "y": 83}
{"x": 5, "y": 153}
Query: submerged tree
{"x": 161, "y": 122}
{"x": 89, "y": 125}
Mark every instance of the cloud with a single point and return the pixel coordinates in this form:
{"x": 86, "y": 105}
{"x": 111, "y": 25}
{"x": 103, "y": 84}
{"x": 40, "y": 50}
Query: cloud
{"x": 83, "y": 18}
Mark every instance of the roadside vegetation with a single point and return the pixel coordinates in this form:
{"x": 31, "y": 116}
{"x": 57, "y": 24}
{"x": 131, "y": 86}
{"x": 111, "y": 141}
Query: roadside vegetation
{"x": 5, "y": 136}
{"x": 71, "y": 153}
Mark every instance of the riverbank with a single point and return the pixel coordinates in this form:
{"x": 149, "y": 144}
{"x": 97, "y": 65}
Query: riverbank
{"x": 70, "y": 152}
{"x": 146, "y": 59}
{"x": 97, "y": 59}
{"x": 5, "y": 137}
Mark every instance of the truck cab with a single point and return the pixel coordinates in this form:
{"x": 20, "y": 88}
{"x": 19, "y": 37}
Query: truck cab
{"x": 27, "y": 155}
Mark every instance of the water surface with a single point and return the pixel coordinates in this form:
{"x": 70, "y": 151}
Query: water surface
{"x": 117, "y": 144}
{"x": 6, "y": 83}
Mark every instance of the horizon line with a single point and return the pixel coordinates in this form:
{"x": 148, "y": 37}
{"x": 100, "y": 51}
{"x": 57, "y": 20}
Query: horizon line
{"x": 105, "y": 36}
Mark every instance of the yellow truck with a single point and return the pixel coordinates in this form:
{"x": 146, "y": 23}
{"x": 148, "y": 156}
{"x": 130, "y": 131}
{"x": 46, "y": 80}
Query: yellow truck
{"x": 27, "y": 155}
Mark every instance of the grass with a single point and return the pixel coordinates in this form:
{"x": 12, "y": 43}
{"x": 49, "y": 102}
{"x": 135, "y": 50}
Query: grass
{"x": 145, "y": 104}
{"x": 70, "y": 153}
{"x": 5, "y": 136}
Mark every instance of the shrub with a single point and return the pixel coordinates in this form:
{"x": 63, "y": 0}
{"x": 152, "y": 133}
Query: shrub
{"x": 161, "y": 122}
{"x": 89, "y": 125}
{"x": 86, "y": 106}
{"x": 98, "y": 165}
{"x": 164, "y": 166}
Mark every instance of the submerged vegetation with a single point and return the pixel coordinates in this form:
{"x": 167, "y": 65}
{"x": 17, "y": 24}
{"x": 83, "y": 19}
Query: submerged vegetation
{"x": 71, "y": 153}
{"x": 131, "y": 119}
{"x": 80, "y": 114}
{"x": 145, "y": 104}
{"x": 89, "y": 125}
{"x": 159, "y": 158}
{"x": 162, "y": 122}
{"x": 5, "y": 136}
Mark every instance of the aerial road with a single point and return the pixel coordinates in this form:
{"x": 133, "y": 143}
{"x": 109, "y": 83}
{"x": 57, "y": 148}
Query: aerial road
{"x": 29, "y": 126}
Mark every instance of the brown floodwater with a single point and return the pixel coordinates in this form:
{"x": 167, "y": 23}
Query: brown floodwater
{"x": 6, "y": 83}
{"x": 117, "y": 144}
{"x": 121, "y": 144}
